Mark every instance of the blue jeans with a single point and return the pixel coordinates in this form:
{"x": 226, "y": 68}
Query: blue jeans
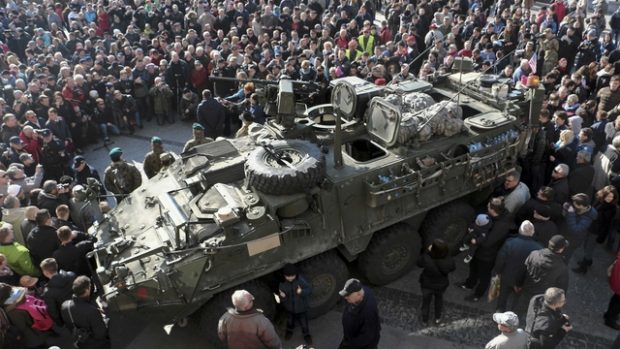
{"x": 109, "y": 128}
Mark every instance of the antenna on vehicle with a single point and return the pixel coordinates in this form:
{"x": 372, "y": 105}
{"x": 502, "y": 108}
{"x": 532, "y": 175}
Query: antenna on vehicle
{"x": 336, "y": 100}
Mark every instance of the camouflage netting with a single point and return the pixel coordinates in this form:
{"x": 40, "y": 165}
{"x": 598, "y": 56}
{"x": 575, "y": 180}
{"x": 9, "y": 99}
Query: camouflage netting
{"x": 439, "y": 119}
{"x": 416, "y": 101}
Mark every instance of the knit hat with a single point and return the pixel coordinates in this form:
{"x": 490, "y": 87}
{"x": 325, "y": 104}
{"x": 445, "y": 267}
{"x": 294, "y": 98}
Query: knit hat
{"x": 508, "y": 319}
{"x": 482, "y": 220}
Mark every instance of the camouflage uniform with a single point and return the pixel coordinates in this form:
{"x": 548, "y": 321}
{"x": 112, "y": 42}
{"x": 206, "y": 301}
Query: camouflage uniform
{"x": 152, "y": 162}
{"x": 122, "y": 178}
{"x": 196, "y": 141}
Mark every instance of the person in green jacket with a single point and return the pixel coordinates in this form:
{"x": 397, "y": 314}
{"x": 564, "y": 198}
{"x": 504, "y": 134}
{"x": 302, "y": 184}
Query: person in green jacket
{"x": 17, "y": 255}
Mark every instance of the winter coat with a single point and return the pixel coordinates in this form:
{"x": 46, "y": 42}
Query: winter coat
{"x": 72, "y": 257}
{"x": 42, "y": 242}
{"x": 122, "y": 178}
{"x": 51, "y": 202}
{"x": 543, "y": 324}
{"x": 19, "y": 259}
{"x": 86, "y": 315}
{"x": 580, "y": 179}
{"x": 56, "y": 292}
{"x": 517, "y": 197}
{"x": 544, "y": 231}
{"x": 606, "y": 164}
{"x": 527, "y": 210}
{"x": 293, "y": 302}
{"x": 578, "y": 225}
{"x": 560, "y": 189}
{"x": 247, "y": 330}
{"x": 488, "y": 249}
{"x": 511, "y": 258}
{"x": 606, "y": 213}
{"x": 161, "y": 99}
{"x": 21, "y": 319}
{"x": 435, "y": 271}
{"x": 544, "y": 269}
{"x": 360, "y": 323}
{"x": 212, "y": 116}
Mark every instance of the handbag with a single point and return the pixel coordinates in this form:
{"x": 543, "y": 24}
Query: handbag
{"x": 494, "y": 289}
{"x": 80, "y": 335}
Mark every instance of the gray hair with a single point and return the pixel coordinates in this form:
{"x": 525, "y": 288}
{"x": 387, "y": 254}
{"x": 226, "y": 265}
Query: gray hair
{"x": 553, "y": 295}
{"x": 242, "y": 300}
{"x": 564, "y": 169}
{"x": 526, "y": 228}
{"x": 616, "y": 142}
{"x": 49, "y": 186}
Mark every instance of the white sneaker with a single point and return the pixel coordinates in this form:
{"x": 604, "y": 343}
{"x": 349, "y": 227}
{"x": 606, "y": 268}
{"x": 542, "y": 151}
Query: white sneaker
{"x": 467, "y": 259}
{"x": 463, "y": 248}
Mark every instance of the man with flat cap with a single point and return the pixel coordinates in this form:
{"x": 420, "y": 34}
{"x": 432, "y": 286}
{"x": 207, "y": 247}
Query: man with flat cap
{"x": 511, "y": 336}
{"x": 198, "y": 137}
{"x": 121, "y": 177}
{"x": 152, "y": 162}
{"x": 360, "y": 319}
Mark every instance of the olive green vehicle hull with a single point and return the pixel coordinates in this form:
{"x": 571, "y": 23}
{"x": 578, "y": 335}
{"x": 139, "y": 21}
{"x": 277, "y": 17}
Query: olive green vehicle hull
{"x": 202, "y": 227}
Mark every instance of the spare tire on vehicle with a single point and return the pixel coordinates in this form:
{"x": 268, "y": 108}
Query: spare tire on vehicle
{"x": 285, "y": 167}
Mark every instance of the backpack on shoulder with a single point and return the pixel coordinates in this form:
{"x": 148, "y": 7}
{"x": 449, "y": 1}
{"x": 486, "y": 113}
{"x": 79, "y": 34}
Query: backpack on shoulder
{"x": 42, "y": 321}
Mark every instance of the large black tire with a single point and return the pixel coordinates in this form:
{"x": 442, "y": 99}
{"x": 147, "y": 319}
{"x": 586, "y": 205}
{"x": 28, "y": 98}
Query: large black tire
{"x": 391, "y": 253}
{"x": 265, "y": 173}
{"x": 327, "y": 274}
{"x": 214, "y": 309}
{"x": 449, "y": 223}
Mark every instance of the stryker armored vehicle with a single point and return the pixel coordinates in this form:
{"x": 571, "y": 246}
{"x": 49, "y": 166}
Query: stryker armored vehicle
{"x": 369, "y": 179}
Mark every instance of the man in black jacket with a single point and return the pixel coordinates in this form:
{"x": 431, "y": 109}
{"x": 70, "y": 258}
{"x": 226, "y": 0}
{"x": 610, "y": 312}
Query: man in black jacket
{"x": 360, "y": 318}
{"x": 71, "y": 255}
{"x": 84, "y": 315}
{"x": 545, "y": 323}
{"x": 52, "y": 196}
{"x": 544, "y": 269}
{"x": 42, "y": 240}
{"x": 481, "y": 266}
{"x": 211, "y": 115}
{"x": 57, "y": 290}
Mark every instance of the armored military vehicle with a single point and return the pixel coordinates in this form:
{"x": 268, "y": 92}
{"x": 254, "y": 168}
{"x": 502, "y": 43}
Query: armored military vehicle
{"x": 367, "y": 179}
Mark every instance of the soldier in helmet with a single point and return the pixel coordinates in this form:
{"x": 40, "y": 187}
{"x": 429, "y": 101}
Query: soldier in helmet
{"x": 198, "y": 133}
{"x": 121, "y": 177}
{"x": 152, "y": 162}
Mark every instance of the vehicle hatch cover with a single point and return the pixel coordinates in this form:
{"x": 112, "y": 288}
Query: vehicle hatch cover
{"x": 344, "y": 98}
{"x": 488, "y": 121}
{"x": 383, "y": 121}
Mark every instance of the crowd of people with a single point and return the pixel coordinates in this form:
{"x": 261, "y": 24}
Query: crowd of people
{"x": 79, "y": 72}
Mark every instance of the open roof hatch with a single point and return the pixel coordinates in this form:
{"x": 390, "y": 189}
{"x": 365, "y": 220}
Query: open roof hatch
{"x": 383, "y": 122}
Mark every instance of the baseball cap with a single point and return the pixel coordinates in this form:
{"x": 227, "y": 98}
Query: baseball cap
{"x": 77, "y": 161}
{"x": 557, "y": 242}
{"x": 351, "y": 286}
{"x": 508, "y": 319}
{"x": 15, "y": 140}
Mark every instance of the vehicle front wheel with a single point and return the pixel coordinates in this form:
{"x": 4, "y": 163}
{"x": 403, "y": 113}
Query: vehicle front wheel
{"x": 327, "y": 274}
{"x": 392, "y": 253}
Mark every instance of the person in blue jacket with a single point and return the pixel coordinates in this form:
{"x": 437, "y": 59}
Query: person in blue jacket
{"x": 294, "y": 292}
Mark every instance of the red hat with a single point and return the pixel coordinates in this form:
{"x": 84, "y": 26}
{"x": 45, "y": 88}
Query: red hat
{"x": 380, "y": 82}
{"x": 433, "y": 26}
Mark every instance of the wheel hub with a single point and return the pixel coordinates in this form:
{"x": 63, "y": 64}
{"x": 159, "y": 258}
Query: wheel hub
{"x": 396, "y": 259}
{"x": 322, "y": 288}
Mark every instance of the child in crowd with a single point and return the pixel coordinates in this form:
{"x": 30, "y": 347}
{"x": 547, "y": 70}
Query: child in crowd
{"x": 476, "y": 233}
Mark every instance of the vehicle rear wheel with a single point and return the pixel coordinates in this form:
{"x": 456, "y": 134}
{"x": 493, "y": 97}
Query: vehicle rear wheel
{"x": 285, "y": 167}
{"x": 327, "y": 274}
{"x": 392, "y": 252}
{"x": 214, "y": 309}
{"x": 449, "y": 223}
